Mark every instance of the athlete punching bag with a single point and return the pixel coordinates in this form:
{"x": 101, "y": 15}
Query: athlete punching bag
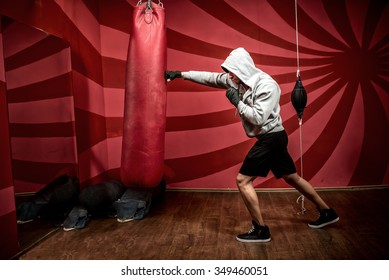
{"x": 144, "y": 123}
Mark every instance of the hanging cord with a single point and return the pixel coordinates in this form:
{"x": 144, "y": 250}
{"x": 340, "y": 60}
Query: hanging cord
{"x": 297, "y": 40}
{"x": 301, "y": 197}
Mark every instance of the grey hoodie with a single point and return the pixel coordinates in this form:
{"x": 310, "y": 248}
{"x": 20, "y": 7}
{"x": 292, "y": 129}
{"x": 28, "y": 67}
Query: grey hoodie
{"x": 259, "y": 107}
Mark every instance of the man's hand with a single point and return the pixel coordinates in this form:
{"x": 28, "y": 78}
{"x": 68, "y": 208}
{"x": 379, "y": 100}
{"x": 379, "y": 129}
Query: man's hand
{"x": 171, "y": 75}
{"x": 233, "y": 95}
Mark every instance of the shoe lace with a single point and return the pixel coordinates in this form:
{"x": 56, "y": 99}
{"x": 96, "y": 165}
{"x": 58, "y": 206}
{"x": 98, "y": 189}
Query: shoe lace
{"x": 251, "y": 230}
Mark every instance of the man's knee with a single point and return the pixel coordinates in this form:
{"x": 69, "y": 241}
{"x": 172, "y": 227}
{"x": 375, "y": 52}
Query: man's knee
{"x": 239, "y": 180}
{"x": 291, "y": 179}
{"x": 243, "y": 180}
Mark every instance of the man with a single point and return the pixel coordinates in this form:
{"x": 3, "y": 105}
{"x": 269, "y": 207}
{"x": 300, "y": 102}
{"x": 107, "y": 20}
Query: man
{"x": 256, "y": 96}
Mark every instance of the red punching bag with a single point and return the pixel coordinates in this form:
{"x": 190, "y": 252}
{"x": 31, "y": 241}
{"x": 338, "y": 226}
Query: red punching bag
{"x": 144, "y": 123}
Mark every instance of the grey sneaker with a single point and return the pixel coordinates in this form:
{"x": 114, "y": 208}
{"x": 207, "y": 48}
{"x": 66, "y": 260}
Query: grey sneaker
{"x": 326, "y": 217}
{"x": 257, "y": 233}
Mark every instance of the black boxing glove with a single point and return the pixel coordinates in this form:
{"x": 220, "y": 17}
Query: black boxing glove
{"x": 171, "y": 75}
{"x": 233, "y": 95}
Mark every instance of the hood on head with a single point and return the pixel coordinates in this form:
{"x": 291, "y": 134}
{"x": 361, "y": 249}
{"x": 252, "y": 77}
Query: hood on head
{"x": 242, "y": 65}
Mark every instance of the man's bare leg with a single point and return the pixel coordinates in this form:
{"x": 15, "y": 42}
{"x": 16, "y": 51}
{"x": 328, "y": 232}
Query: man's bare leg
{"x": 305, "y": 188}
{"x": 259, "y": 231}
{"x": 250, "y": 197}
{"x": 327, "y": 215}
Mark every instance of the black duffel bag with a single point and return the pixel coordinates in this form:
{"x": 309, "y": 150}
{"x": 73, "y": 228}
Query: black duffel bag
{"x": 54, "y": 201}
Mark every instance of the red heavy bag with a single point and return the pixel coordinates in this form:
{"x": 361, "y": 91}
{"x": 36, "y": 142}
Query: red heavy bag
{"x": 143, "y": 145}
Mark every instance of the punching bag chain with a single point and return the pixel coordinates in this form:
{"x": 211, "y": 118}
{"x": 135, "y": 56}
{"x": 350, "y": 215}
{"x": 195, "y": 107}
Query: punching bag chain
{"x": 149, "y": 6}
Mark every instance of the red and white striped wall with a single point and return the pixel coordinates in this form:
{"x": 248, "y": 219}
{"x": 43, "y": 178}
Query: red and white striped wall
{"x": 342, "y": 59}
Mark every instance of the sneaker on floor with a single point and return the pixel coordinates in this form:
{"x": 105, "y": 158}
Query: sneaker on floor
{"x": 256, "y": 234}
{"x": 124, "y": 220}
{"x": 20, "y": 222}
{"x": 326, "y": 217}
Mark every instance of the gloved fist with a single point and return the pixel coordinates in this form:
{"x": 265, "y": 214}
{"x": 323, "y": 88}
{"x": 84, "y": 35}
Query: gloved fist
{"x": 171, "y": 75}
{"x": 233, "y": 95}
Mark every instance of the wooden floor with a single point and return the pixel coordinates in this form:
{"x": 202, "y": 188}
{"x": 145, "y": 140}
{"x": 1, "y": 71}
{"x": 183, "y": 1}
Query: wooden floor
{"x": 203, "y": 225}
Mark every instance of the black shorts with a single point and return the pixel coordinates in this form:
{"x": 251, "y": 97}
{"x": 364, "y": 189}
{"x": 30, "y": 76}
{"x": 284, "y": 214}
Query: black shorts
{"x": 270, "y": 152}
